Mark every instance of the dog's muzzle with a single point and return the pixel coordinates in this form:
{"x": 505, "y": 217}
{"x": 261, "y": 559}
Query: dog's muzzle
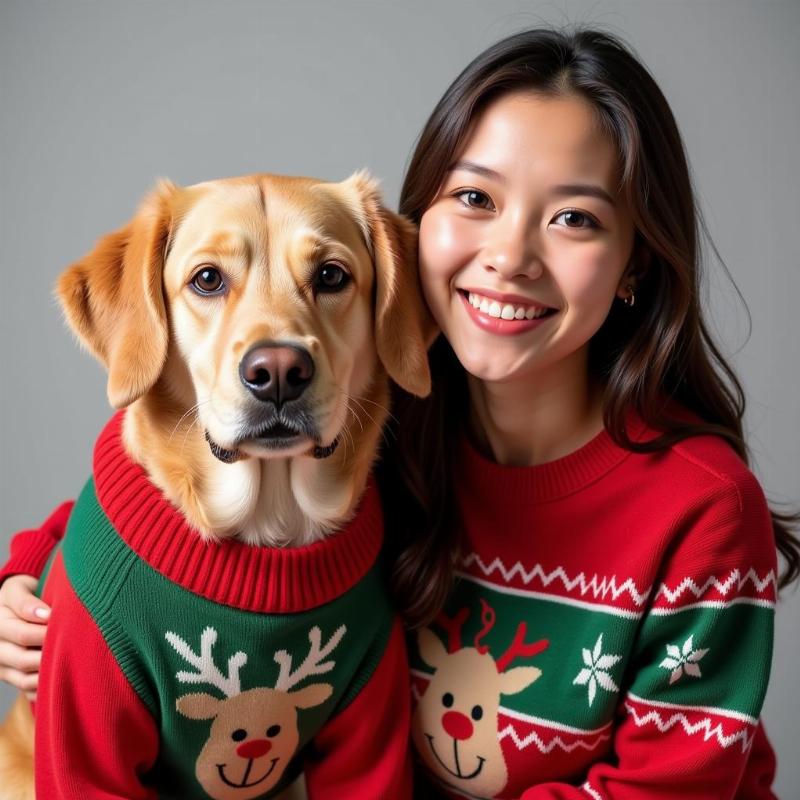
{"x": 231, "y": 456}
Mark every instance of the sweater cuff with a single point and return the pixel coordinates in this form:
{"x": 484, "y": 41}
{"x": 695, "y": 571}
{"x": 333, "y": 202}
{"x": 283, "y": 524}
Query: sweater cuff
{"x": 30, "y": 549}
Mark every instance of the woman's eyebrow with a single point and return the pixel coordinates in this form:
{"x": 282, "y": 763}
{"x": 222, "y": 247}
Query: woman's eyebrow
{"x": 478, "y": 169}
{"x": 585, "y": 189}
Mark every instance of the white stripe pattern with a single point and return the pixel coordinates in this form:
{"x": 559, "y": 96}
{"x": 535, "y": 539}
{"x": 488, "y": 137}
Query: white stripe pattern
{"x": 734, "y": 579}
{"x": 717, "y": 712}
{"x": 552, "y": 598}
{"x": 591, "y": 791}
{"x": 556, "y": 742}
{"x": 705, "y": 726}
{"x": 548, "y": 723}
{"x": 718, "y": 604}
{"x": 599, "y": 587}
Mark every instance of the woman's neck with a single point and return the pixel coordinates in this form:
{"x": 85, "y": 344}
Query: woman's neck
{"x": 536, "y": 418}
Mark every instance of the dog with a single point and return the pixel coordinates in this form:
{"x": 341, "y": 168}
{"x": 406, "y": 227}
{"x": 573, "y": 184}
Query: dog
{"x": 249, "y": 327}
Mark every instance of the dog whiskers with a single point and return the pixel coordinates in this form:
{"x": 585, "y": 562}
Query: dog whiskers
{"x": 353, "y": 412}
{"x": 367, "y": 400}
{"x": 194, "y": 409}
{"x": 383, "y": 428}
{"x": 188, "y": 431}
{"x": 345, "y": 432}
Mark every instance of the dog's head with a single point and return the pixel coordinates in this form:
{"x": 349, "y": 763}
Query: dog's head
{"x": 267, "y": 303}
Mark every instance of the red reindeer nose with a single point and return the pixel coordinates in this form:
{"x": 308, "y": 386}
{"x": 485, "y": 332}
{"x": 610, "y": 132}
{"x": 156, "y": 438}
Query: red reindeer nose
{"x": 456, "y": 725}
{"x": 255, "y": 748}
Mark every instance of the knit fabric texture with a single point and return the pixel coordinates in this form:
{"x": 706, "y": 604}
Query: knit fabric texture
{"x": 610, "y": 634}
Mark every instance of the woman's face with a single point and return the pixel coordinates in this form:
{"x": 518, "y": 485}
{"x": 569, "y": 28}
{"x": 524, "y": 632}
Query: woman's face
{"x": 526, "y": 245}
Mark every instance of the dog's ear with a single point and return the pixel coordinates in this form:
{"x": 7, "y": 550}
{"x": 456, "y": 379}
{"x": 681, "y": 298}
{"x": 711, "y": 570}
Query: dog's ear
{"x": 404, "y": 328}
{"x": 113, "y": 299}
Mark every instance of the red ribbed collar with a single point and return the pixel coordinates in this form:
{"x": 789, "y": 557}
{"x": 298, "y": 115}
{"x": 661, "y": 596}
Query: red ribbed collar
{"x": 480, "y": 476}
{"x": 262, "y": 579}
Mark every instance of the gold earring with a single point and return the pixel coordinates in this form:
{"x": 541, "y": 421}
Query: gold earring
{"x": 631, "y": 298}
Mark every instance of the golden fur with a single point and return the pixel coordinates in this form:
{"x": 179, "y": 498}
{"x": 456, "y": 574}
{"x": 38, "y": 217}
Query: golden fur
{"x": 173, "y": 356}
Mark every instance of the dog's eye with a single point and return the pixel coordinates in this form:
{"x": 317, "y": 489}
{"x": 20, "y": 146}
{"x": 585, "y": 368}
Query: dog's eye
{"x": 208, "y": 281}
{"x": 330, "y": 277}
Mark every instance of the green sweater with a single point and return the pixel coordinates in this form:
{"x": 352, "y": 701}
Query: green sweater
{"x": 179, "y": 668}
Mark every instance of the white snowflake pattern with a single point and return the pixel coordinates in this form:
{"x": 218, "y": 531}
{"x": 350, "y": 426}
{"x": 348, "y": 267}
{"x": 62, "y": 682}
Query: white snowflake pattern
{"x": 596, "y": 670}
{"x": 683, "y": 660}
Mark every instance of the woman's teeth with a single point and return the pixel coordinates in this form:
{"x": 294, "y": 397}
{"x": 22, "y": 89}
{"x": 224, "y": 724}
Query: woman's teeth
{"x": 505, "y": 310}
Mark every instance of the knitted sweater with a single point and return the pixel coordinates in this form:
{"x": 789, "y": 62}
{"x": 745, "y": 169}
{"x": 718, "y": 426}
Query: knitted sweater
{"x": 690, "y": 550}
{"x": 610, "y": 635}
{"x": 174, "y": 668}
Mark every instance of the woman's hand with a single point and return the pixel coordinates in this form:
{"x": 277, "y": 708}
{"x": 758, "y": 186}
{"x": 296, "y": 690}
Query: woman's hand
{"x": 23, "y": 624}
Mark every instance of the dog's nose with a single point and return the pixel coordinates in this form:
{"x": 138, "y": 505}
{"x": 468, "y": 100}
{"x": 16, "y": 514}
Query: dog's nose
{"x": 277, "y": 372}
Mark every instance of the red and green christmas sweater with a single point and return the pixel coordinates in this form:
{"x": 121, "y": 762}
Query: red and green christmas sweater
{"x": 175, "y": 668}
{"x": 610, "y": 633}
{"x": 614, "y": 617}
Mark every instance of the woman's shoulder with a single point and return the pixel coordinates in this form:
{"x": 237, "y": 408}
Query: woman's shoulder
{"x": 706, "y": 461}
{"x": 709, "y": 487}
{"x": 719, "y": 520}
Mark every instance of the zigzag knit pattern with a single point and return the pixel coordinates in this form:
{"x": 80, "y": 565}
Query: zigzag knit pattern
{"x": 599, "y": 587}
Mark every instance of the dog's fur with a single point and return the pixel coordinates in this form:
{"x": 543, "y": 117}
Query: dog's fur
{"x": 173, "y": 356}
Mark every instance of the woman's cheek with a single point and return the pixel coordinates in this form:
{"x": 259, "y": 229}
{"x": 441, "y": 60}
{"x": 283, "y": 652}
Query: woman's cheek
{"x": 443, "y": 243}
{"x": 589, "y": 276}
{"x": 442, "y": 252}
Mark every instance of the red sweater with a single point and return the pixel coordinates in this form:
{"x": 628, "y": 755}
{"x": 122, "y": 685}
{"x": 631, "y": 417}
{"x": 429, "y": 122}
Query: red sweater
{"x": 178, "y": 668}
{"x": 610, "y": 635}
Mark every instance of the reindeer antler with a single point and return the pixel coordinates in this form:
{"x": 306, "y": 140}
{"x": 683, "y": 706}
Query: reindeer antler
{"x": 488, "y": 617}
{"x": 453, "y": 627}
{"x": 312, "y": 664}
{"x": 208, "y": 672}
{"x": 518, "y": 647}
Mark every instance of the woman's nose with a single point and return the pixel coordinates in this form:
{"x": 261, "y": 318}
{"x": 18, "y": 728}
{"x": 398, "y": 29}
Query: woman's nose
{"x": 513, "y": 252}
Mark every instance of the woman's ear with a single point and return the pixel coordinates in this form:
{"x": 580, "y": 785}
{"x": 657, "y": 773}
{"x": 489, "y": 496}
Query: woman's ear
{"x": 113, "y": 299}
{"x": 638, "y": 266}
{"x": 404, "y": 328}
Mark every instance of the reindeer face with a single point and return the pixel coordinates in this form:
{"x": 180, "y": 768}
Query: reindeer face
{"x": 454, "y": 726}
{"x": 254, "y": 733}
{"x": 253, "y": 737}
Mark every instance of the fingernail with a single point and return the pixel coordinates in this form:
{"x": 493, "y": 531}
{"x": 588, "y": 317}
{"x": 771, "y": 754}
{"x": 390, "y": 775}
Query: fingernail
{"x": 42, "y": 613}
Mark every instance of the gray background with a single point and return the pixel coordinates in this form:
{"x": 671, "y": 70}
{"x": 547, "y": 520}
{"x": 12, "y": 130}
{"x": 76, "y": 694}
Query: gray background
{"x": 99, "y": 99}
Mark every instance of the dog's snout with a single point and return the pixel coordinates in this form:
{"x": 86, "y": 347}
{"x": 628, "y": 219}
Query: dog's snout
{"x": 277, "y": 372}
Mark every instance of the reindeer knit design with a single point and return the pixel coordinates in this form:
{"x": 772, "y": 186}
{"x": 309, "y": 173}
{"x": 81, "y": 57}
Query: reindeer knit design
{"x": 610, "y": 634}
{"x": 178, "y": 669}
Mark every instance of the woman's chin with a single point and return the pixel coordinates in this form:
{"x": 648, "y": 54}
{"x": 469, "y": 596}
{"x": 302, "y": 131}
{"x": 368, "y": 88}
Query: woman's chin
{"x": 493, "y": 367}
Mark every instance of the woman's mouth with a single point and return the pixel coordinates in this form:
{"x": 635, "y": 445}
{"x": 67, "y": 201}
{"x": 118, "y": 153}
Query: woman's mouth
{"x": 495, "y": 316}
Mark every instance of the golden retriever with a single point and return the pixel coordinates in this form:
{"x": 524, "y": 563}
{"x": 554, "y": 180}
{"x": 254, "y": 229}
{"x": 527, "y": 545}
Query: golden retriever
{"x": 249, "y": 326}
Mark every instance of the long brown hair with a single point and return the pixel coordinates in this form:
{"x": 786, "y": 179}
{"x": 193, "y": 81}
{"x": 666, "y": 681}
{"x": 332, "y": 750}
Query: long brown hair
{"x": 657, "y": 351}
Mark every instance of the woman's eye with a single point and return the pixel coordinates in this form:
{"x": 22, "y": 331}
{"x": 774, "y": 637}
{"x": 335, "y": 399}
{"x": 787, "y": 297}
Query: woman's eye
{"x": 475, "y": 199}
{"x": 330, "y": 277}
{"x": 575, "y": 219}
{"x": 208, "y": 280}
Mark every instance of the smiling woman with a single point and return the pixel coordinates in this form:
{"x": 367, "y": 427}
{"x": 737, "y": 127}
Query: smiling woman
{"x": 578, "y": 474}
